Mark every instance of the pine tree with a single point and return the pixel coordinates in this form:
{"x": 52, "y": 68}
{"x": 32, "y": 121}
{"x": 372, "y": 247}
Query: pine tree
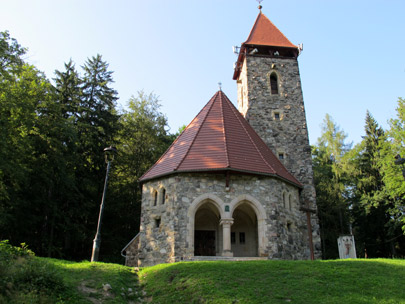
{"x": 97, "y": 125}
{"x": 393, "y": 173}
{"x": 330, "y": 186}
{"x": 99, "y": 101}
{"x": 69, "y": 91}
{"x": 372, "y": 225}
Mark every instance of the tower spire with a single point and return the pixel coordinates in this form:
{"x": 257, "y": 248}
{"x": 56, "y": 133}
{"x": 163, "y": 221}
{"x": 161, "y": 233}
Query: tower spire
{"x": 260, "y": 5}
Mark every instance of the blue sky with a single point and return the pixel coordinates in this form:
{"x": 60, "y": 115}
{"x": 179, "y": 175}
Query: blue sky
{"x": 353, "y": 58}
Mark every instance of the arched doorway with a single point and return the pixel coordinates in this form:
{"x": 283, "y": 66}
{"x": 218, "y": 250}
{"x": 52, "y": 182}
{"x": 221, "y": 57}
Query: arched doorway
{"x": 206, "y": 230}
{"x": 244, "y": 231}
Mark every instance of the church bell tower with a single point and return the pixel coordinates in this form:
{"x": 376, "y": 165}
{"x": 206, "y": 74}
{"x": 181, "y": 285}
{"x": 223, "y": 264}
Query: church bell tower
{"x": 270, "y": 98}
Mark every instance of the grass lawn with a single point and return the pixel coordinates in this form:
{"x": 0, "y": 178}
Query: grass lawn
{"x": 349, "y": 281}
{"x": 87, "y": 280}
{"x": 25, "y": 278}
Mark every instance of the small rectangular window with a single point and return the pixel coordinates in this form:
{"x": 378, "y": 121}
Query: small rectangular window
{"x": 277, "y": 116}
{"x": 281, "y": 156}
{"x": 241, "y": 238}
{"x": 233, "y": 238}
{"x": 157, "y": 222}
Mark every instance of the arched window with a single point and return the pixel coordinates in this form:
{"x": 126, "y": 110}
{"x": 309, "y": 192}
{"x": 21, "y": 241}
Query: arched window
{"x": 273, "y": 84}
{"x": 285, "y": 200}
{"x": 290, "y": 202}
{"x": 163, "y": 196}
{"x": 155, "y": 197}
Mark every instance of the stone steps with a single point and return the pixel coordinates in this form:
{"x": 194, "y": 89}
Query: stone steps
{"x": 222, "y": 258}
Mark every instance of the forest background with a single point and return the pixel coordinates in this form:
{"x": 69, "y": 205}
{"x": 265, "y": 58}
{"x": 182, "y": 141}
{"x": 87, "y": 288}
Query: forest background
{"x": 52, "y": 166}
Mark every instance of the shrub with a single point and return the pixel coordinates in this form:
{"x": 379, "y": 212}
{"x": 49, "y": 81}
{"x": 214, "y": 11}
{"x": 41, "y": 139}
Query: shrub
{"x": 9, "y": 252}
{"x": 25, "y": 278}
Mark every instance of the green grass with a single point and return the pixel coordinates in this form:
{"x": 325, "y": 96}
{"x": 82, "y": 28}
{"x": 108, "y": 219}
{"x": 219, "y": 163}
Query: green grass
{"x": 87, "y": 280}
{"x": 71, "y": 282}
{"x": 25, "y": 278}
{"x": 350, "y": 281}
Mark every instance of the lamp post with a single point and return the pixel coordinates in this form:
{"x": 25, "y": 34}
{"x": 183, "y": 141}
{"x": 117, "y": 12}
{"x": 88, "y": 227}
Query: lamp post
{"x": 109, "y": 157}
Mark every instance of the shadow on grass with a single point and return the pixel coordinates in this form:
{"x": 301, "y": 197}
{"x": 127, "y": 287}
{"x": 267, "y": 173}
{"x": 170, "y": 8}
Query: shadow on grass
{"x": 349, "y": 281}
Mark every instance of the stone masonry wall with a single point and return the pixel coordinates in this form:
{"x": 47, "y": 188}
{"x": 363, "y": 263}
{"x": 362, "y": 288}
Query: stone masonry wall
{"x": 284, "y": 231}
{"x": 288, "y": 134}
{"x": 131, "y": 253}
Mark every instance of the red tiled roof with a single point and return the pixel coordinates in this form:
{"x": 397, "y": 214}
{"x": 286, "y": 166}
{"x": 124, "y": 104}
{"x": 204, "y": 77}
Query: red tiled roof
{"x": 219, "y": 139}
{"x": 264, "y": 32}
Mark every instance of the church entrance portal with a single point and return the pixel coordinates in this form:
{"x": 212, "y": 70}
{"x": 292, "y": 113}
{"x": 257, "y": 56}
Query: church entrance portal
{"x": 204, "y": 243}
{"x": 207, "y": 231}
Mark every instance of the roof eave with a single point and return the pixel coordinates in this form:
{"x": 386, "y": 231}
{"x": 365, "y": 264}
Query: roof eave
{"x": 249, "y": 172}
{"x": 242, "y": 55}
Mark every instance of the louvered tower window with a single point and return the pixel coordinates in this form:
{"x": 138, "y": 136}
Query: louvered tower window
{"x": 273, "y": 84}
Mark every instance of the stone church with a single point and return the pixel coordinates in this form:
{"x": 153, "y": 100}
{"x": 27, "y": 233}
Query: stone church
{"x": 237, "y": 183}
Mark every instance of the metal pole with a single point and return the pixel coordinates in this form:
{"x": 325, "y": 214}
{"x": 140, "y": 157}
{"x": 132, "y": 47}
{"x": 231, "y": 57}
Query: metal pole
{"x": 97, "y": 239}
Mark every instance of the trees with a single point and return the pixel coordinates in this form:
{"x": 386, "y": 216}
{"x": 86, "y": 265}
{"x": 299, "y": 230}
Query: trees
{"x": 98, "y": 103}
{"x": 11, "y": 65}
{"x": 69, "y": 92}
{"x": 32, "y": 168}
{"x": 352, "y": 190}
{"x": 51, "y": 162}
{"x": 329, "y": 180}
{"x": 392, "y": 174}
{"x": 10, "y": 54}
{"x": 370, "y": 202}
{"x": 25, "y": 113}
{"x": 143, "y": 137}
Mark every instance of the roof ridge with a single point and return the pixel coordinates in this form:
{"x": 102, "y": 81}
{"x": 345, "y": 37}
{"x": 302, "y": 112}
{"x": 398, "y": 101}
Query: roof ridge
{"x": 224, "y": 132}
{"x": 199, "y": 129}
{"x": 239, "y": 117}
{"x": 253, "y": 28}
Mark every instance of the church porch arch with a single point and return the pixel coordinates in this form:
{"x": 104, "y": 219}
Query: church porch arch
{"x": 204, "y": 232}
{"x": 249, "y": 217}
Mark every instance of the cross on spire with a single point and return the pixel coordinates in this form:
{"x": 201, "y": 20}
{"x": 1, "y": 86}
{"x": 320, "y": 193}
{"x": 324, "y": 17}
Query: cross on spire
{"x": 220, "y": 86}
{"x": 260, "y": 5}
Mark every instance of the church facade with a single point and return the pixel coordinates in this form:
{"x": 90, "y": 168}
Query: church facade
{"x": 237, "y": 183}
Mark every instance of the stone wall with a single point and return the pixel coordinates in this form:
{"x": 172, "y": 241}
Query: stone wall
{"x": 167, "y": 229}
{"x": 131, "y": 252}
{"x": 286, "y": 133}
